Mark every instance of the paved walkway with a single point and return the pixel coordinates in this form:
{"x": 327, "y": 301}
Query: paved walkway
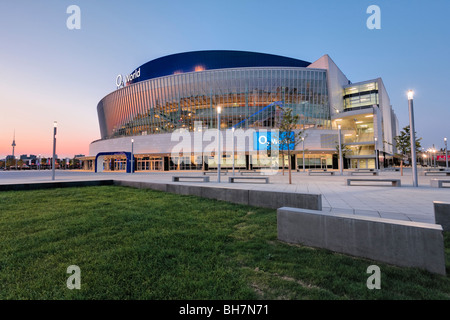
{"x": 404, "y": 203}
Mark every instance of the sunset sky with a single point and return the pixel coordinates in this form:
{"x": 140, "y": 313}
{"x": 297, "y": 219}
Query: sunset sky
{"x": 50, "y": 73}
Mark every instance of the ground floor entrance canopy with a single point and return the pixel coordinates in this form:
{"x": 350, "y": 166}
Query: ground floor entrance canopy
{"x": 123, "y": 160}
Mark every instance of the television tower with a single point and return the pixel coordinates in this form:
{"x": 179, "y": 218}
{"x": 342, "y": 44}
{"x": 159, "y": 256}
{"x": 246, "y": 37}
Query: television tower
{"x": 14, "y": 145}
{"x": 14, "y": 142}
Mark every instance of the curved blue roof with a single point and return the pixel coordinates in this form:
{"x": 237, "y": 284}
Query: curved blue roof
{"x": 210, "y": 60}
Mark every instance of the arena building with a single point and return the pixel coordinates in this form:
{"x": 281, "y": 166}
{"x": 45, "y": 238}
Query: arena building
{"x": 141, "y": 122}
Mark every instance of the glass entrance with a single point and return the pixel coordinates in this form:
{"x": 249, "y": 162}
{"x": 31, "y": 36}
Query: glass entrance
{"x": 120, "y": 164}
{"x": 149, "y": 164}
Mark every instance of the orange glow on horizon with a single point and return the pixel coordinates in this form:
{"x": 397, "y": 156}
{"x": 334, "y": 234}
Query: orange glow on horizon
{"x": 66, "y": 147}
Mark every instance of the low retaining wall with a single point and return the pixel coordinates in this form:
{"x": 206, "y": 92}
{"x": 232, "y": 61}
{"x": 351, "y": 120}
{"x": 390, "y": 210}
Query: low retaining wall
{"x": 54, "y": 184}
{"x": 442, "y": 214}
{"x": 266, "y": 199}
{"x": 402, "y": 243}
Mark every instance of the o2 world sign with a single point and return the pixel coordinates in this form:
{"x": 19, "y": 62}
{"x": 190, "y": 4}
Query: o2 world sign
{"x": 120, "y": 79}
{"x": 272, "y": 140}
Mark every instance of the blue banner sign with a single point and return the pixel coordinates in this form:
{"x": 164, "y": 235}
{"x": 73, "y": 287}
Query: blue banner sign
{"x": 272, "y": 140}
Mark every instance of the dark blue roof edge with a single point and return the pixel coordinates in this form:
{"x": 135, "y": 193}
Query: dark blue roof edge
{"x": 210, "y": 60}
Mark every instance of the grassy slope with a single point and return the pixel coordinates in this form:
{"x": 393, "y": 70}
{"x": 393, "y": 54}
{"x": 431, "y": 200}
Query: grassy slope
{"x": 142, "y": 244}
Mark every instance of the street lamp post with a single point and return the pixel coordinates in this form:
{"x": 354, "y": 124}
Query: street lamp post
{"x": 413, "y": 137}
{"x": 446, "y": 159}
{"x": 132, "y": 155}
{"x": 434, "y": 156}
{"x": 430, "y": 157}
{"x": 376, "y": 154}
{"x": 303, "y": 145}
{"x": 232, "y": 131}
{"x": 219, "y": 110}
{"x": 55, "y": 125}
{"x": 340, "y": 150}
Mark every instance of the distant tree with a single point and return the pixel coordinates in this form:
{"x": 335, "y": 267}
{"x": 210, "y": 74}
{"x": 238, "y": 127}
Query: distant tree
{"x": 11, "y": 162}
{"x": 403, "y": 144}
{"x": 74, "y": 163}
{"x": 288, "y": 139}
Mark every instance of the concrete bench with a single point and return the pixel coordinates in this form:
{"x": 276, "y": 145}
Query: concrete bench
{"x": 438, "y": 183}
{"x": 231, "y": 179}
{"x": 396, "y": 242}
{"x": 310, "y": 172}
{"x": 373, "y": 173}
{"x": 242, "y": 172}
{"x": 442, "y": 214}
{"x": 437, "y": 173}
{"x": 394, "y": 182}
{"x": 364, "y": 169}
{"x": 177, "y": 178}
{"x": 225, "y": 172}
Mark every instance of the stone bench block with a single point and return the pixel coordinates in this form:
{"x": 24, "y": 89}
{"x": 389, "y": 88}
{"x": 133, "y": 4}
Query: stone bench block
{"x": 442, "y": 214}
{"x": 439, "y": 183}
{"x": 274, "y": 200}
{"x": 402, "y": 243}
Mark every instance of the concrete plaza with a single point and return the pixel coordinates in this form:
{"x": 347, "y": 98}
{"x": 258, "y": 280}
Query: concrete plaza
{"x": 402, "y": 203}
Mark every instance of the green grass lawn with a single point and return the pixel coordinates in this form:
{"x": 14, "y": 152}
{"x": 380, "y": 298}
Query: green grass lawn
{"x": 143, "y": 244}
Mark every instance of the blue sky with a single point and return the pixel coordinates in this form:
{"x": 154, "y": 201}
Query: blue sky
{"x": 48, "y": 72}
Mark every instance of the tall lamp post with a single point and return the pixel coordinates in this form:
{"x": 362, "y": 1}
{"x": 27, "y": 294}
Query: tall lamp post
{"x": 340, "y": 150}
{"x": 376, "y": 154}
{"x": 446, "y": 159}
{"x": 55, "y": 125}
{"x": 413, "y": 137}
{"x": 219, "y": 110}
{"x": 303, "y": 145}
{"x": 132, "y": 155}
{"x": 430, "y": 156}
{"x": 433, "y": 154}
{"x": 232, "y": 131}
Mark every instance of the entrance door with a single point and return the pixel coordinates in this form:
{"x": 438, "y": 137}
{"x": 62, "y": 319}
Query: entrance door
{"x": 362, "y": 164}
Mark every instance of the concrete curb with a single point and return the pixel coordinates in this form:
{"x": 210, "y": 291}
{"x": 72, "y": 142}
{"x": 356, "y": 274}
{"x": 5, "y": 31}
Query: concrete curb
{"x": 54, "y": 184}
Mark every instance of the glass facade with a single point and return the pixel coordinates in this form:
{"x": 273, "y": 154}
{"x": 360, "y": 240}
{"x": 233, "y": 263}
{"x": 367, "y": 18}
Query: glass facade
{"x": 360, "y": 135}
{"x": 249, "y": 98}
{"x": 315, "y": 161}
{"x": 361, "y": 127}
{"x": 361, "y": 96}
